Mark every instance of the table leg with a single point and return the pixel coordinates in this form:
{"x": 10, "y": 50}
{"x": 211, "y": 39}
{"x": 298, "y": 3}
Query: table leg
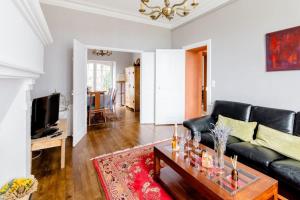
{"x": 275, "y": 195}
{"x": 63, "y": 154}
{"x": 156, "y": 166}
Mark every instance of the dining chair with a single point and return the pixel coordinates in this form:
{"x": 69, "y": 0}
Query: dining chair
{"x": 111, "y": 104}
{"x": 95, "y": 106}
{"x": 113, "y": 101}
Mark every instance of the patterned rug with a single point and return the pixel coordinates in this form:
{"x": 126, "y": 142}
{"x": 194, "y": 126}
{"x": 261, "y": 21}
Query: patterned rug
{"x": 128, "y": 175}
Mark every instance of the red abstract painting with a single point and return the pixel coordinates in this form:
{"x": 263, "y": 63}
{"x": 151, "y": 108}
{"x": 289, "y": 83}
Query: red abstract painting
{"x": 283, "y": 50}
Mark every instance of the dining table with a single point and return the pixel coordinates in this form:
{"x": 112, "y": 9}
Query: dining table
{"x": 92, "y": 99}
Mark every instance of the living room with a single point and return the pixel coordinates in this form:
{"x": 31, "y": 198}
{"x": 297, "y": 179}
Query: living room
{"x": 252, "y": 65}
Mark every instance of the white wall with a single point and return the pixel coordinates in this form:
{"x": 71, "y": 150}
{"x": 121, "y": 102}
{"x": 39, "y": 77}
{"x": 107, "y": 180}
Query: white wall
{"x": 66, "y": 24}
{"x": 18, "y": 39}
{"x": 238, "y": 51}
{"x": 13, "y": 138}
{"x": 122, "y": 59}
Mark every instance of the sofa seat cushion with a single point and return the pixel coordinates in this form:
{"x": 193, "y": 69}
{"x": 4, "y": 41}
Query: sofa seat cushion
{"x": 207, "y": 140}
{"x": 287, "y": 170}
{"x": 252, "y": 155}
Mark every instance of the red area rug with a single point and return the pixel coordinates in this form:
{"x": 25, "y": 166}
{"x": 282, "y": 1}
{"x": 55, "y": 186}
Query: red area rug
{"x": 128, "y": 174}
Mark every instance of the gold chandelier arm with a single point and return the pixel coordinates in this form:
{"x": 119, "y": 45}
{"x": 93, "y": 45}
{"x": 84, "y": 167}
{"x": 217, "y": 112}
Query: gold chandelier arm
{"x": 150, "y": 7}
{"x": 183, "y": 14}
{"x": 179, "y": 4}
{"x": 183, "y": 9}
{"x": 153, "y": 12}
{"x": 156, "y": 17}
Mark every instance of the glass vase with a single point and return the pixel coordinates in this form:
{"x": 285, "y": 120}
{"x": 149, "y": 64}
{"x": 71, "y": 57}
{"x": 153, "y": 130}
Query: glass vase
{"x": 220, "y": 151}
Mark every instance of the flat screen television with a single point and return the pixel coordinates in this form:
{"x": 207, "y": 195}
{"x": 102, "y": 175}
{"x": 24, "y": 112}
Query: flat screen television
{"x": 45, "y": 113}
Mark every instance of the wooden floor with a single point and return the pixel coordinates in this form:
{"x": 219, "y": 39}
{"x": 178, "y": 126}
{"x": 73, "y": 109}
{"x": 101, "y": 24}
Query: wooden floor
{"x": 79, "y": 180}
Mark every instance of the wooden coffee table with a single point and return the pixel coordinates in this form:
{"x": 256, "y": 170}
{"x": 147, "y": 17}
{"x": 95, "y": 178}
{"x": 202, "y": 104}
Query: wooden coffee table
{"x": 183, "y": 180}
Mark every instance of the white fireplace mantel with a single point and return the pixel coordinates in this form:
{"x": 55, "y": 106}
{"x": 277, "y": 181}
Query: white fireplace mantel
{"x": 13, "y": 71}
{"x": 23, "y": 37}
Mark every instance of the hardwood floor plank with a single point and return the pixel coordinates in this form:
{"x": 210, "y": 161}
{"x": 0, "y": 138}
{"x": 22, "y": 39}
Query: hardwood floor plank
{"x": 79, "y": 180}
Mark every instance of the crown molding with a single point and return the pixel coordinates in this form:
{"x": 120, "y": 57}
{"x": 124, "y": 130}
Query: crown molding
{"x": 203, "y": 9}
{"x": 100, "y": 10}
{"x": 9, "y": 70}
{"x": 32, "y": 12}
{"x": 80, "y": 5}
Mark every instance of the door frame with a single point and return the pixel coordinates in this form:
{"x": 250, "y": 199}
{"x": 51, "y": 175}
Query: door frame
{"x": 114, "y": 49}
{"x": 204, "y": 43}
{"x": 88, "y": 46}
{"x": 77, "y": 137}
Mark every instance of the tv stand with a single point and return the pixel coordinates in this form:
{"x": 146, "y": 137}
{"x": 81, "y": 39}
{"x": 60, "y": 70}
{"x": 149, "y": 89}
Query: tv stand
{"x": 47, "y": 141}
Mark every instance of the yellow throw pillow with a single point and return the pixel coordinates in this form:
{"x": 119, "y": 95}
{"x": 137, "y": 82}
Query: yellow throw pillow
{"x": 240, "y": 129}
{"x": 283, "y": 143}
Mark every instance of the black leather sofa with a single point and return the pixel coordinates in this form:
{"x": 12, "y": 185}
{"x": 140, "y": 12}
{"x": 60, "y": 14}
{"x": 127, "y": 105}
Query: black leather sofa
{"x": 285, "y": 170}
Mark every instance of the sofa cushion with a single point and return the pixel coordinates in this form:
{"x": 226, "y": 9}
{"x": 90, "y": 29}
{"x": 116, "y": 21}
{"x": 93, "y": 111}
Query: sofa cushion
{"x": 278, "y": 141}
{"x": 287, "y": 170}
{"x": 282, "y": 120}
{"x": 252, "y": 155}
{"x": 240, "y": 129}
{"x": 207, "y": 140}
{"x": 234, "y": 110}
{"x": 297, "y": 125}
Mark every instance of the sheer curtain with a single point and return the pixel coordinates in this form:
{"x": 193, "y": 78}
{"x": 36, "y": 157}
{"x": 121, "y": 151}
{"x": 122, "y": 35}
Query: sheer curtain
{"x": 101, "y": 75}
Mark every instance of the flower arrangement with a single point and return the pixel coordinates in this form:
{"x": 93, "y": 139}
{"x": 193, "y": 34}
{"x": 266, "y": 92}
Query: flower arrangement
{"x": 220, "y": 135}
{"x": 19, "y": 188}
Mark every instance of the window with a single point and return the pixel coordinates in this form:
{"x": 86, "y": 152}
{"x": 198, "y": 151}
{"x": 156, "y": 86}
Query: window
{"x": 90, "y": 76}
{"x": 100, "y": 75}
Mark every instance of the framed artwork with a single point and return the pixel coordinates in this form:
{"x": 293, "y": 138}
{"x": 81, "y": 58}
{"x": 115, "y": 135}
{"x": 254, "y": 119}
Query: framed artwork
{"x": 283, "y": 50}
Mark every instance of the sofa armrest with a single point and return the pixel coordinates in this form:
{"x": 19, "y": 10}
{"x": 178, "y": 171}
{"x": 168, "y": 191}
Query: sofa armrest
{"x": 201, "y": 124}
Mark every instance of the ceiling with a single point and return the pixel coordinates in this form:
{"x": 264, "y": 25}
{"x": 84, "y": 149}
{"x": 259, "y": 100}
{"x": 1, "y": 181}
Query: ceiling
{"x": 128, "y": 9}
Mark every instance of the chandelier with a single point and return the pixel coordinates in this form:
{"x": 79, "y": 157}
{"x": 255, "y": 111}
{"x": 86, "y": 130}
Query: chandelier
{"x": 102, "y": 52}
{"x": 168, "y": 11}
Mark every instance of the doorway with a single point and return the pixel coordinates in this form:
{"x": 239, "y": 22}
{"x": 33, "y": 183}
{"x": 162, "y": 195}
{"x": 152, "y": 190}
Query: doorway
{"x": 80, "y": 82}
{"x": 196, "y": 104}
{"x": 114, "y": 77}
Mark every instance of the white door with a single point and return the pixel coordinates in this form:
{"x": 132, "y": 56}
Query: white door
{"x": 147, "y": 88}
{"x": 79, "y": 91}
{"x": 169, "y": 86}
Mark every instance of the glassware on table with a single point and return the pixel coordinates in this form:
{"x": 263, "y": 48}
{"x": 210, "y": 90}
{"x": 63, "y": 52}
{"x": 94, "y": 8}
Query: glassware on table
{"x": 181, "y": 144}
{"x": 220, "y": 155}
{"x": 188, "y": 137}
{"x": 175, "y": 146}
{"x": 196, "y": 141}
